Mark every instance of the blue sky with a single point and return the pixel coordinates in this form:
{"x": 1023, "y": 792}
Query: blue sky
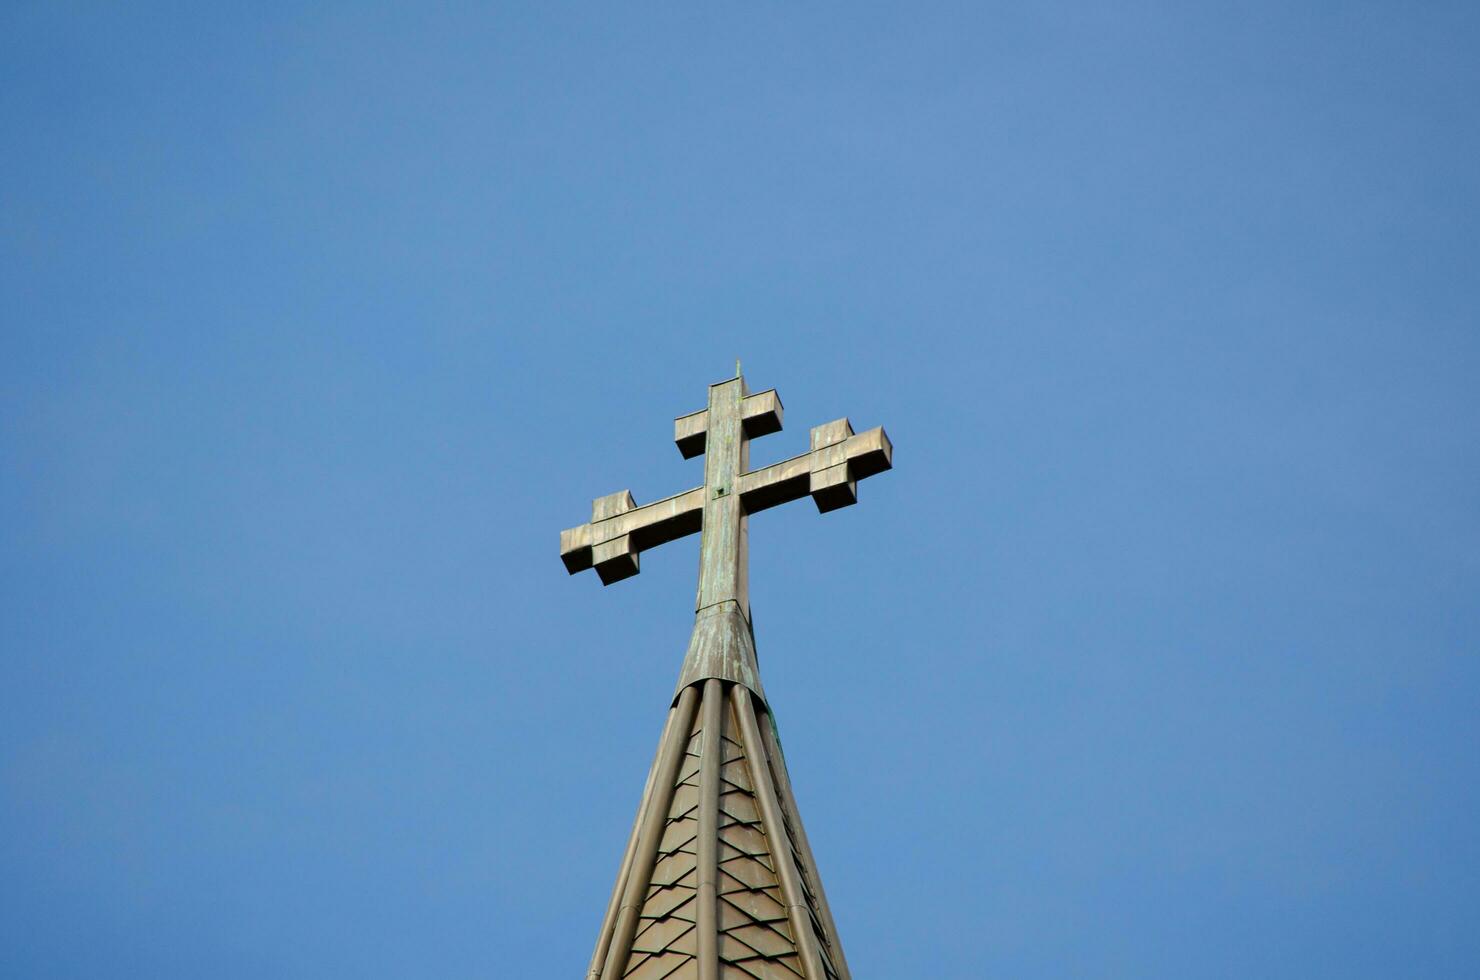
{"x": 1155, "y": 656}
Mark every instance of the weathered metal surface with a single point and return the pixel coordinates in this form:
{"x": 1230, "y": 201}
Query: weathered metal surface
{"x": 863, "y": 455}
{"x": 654, "y": 811}
{"x": 609, "y": 921}
{"x": 829, "y": 473}
{"x": 611, "y": 505}
{"x": 648, "y": 526}
{"x": 829, "y": 433}
{"x": 722, "y": 645}
{"x": 616, "y": 559}
{"x": 760, "y": 415}
{"x": 832, "y": 949}
{"x": 707, "y": 846}
{"x": 688, "y": 433}
{"x": 728, "y": 888}
{"x": 723, "y": 547}
{"x": 718, "y": 880}
{"x": 798, "y": 909}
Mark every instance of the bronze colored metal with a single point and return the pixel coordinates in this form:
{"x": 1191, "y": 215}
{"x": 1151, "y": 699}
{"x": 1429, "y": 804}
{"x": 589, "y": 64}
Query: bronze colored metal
{"x": 603, "y": 941}
{"x": 798, "y": 908}
{"x": 772, "y": 740}
{"x": 639, "y": 875}
{"x": 718, "y": 881}
{"x": 708, "y": 843}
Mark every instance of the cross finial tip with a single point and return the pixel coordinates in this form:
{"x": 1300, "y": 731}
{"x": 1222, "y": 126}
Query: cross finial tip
{"x": 737, "y": 367}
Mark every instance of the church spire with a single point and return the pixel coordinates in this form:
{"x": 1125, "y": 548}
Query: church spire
{"x": 718, "y": 881}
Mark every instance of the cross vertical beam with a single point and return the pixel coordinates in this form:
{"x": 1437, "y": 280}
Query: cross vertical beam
{"x": 724, "y": 572}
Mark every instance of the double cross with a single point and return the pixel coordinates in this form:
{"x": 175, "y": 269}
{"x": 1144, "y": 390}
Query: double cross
{"x": 829, "y": 472}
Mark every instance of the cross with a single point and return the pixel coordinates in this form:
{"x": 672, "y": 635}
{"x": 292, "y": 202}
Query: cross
{"x": 620, "y": 530}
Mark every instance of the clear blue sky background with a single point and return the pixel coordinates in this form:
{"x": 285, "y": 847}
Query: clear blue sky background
{"x": 1155, "y": 656}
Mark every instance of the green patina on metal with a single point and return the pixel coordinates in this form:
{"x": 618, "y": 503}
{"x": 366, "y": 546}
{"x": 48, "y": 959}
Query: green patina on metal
{"x": 718, "y": 879}
{"x": 723, "y": 644}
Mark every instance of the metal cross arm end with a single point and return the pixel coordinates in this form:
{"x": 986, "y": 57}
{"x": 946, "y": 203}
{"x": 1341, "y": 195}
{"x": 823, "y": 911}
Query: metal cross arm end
{"x": 829, "y": 473}
{"x": 760, "y": 414}
{"x": 620, "y": 530}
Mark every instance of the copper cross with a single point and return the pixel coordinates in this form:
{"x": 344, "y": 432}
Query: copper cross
{"x": 829, "y": 472}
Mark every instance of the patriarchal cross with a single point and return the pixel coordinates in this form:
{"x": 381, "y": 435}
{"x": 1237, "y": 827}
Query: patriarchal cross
{"x": 718, "y": 881}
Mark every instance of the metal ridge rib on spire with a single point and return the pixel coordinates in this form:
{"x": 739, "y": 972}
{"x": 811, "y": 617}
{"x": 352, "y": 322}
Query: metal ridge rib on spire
{"x": 654, "y": 811}
{"x": 718, "y": 881}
